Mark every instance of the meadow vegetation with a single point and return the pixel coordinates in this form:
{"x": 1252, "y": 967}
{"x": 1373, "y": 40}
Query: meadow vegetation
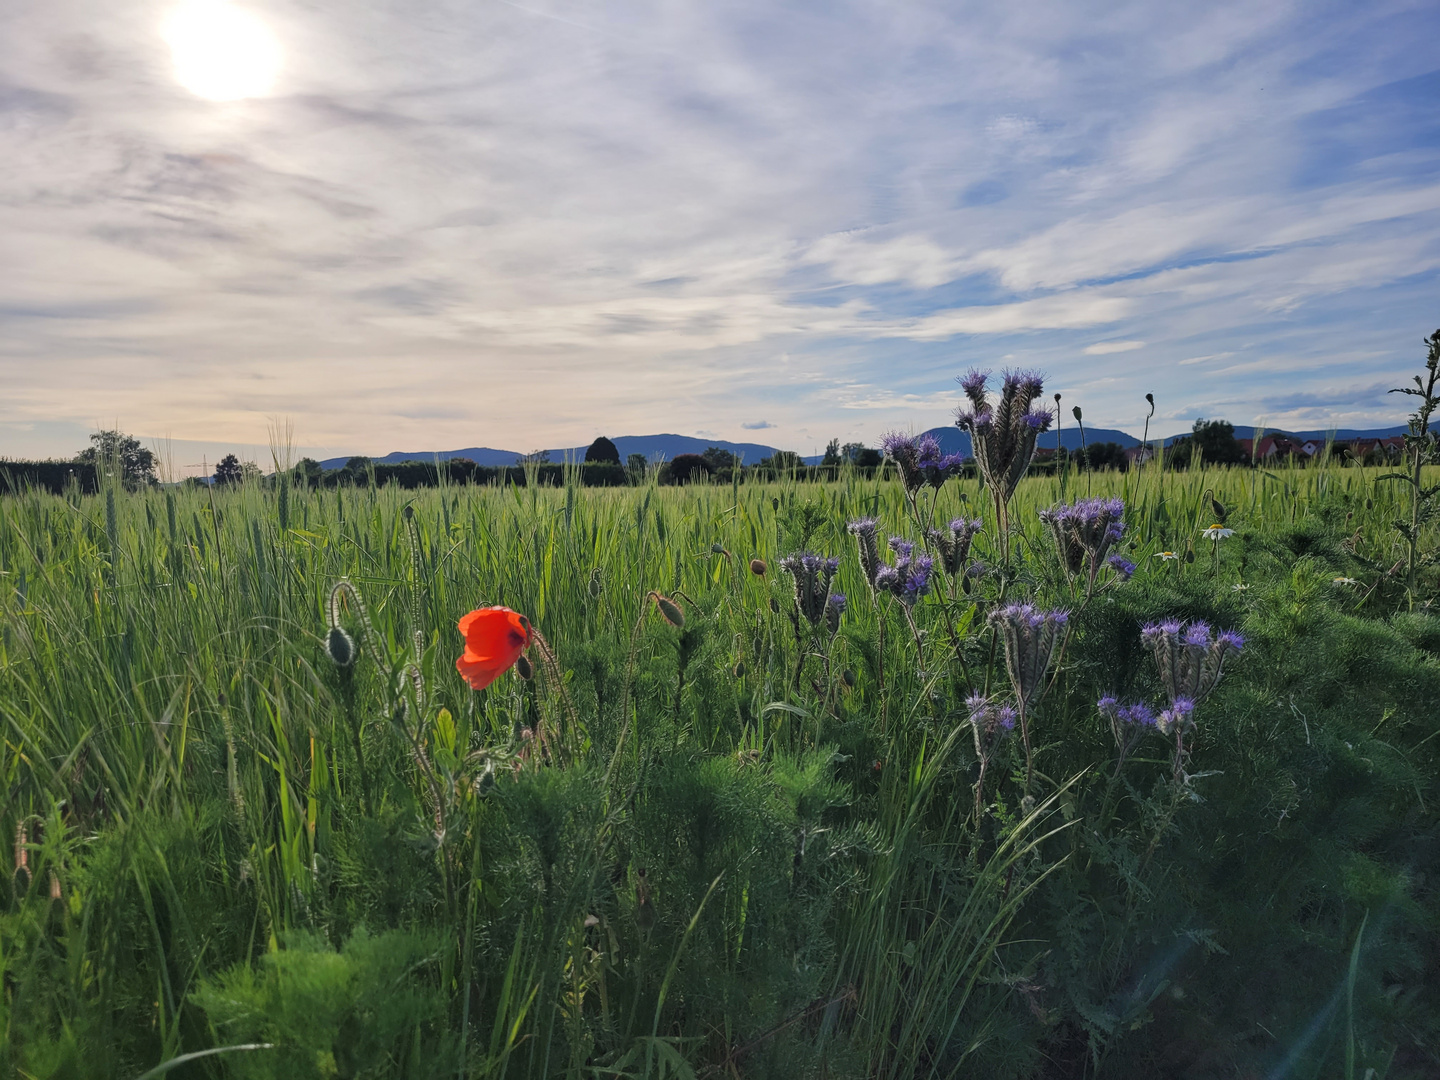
{"x": 1145, "y": 785}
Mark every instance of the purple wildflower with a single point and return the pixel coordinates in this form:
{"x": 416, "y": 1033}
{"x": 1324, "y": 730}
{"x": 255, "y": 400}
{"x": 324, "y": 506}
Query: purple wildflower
{"x": 813, "y": 575}
{"x": 835, "y": 605}
{"x": 1084, "y": 531}
{"x": 1003, "y": 435}
{"x": 1031, "y": 638}
{"x": 1189, "y": 659}
{"x": 1107, "y": 705}
{"x": 1121, "y": 565}
{"x": 866, "y": 536}
{"x": 953, "y": 544}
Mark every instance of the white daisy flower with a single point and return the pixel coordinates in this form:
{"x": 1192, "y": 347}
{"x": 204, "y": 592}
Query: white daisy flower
{"x": 1217, "y": 532}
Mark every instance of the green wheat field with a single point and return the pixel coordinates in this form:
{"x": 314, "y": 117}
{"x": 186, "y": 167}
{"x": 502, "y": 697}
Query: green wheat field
{"x": 263, "y": 828}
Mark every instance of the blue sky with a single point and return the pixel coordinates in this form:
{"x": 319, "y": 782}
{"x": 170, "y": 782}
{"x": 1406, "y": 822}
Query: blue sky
{"x": 525, "y": 224}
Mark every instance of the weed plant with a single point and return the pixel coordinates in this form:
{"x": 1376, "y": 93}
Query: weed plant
{"x": 729, "y": 826}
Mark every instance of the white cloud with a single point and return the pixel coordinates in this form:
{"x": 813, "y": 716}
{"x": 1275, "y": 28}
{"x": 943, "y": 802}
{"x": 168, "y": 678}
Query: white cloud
{"x": 1105, "y": 348}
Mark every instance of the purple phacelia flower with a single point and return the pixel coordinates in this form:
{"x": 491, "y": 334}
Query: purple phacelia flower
{"x": 1084, "y": 532}
{"x": 901, "y": 546}
{"x": 813, "y": 574}
{"x": 1229, "y": 639}
{"x": 1121, "y": 565}
{"x": 1107, "y": 705}
{"x": 1189, "y": 659}
{"x": 1031, "y": 639}
{"x": 973, "y": 383}
{"x": 835, "y": 605}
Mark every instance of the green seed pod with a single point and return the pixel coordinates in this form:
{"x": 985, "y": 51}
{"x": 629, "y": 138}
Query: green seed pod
{"x": 670, "y": 610}
{"x": 1189, "y": 552}
{"x": 341, "y": 647}
{"x": 523, "y": 667}
{"x": 848, "y": 678}
{"x": 758, "y": 567}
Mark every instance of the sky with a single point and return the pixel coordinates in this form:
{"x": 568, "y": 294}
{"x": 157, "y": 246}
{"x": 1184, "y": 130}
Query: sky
{"x": 401, "y": 226}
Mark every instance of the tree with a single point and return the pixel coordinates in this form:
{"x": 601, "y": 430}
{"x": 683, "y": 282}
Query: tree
{"x": 635, "y": 466}
{"x": 832, "y": 453}
{"x": 137, "y": 464}
{"x": 720, "y": 461}
{"x": 1215, "y": 442}
{"x": 308, "y": 471}
{"x": 602, "y": 449}
{"x": 860, "y": 455}
{"x": 1106, "y": 455}
{"x": 229, "y": 470}
{"x": 782, "y": 461}
{"x": 685, "y": 466}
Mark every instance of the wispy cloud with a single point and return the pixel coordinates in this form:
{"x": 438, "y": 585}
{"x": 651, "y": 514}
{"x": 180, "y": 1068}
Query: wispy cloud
{"x": 757, "y": 425}
{"x": 1105, "y": 348}
{"x": 501, "y": 222}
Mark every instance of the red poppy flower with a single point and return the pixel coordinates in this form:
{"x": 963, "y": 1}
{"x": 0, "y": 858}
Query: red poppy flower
{"x": 494, "y": 639}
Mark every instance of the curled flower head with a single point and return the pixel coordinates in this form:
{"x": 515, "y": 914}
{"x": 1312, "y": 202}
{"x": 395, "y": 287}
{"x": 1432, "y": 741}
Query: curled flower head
{"x": 1031, "y": 638}
{"x": 813, "y": 575}
{"x": 1003, "y": 433}
{"x": 953, "y": 544}
{"x": 917, "y": 579}
{"x": 1190, "y": 658}
{"x": 1107, "y": 705}
{"x": 1121, "y": 565}
{"x": 867, "y": 538}
{"x": 835, "y": 605}
{"x": 1084, "y": 532}
{"x": 494, "y": 639}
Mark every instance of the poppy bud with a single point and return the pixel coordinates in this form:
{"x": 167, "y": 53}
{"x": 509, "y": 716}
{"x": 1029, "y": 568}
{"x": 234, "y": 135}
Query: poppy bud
{"x": 1219, "y": 508}
{"x": 758, "y": 567}
{"x": 1369, "y": 504}
{"x": 774, "y": 606}
{"x": 670, "y": 610}
{"x": 1076, "y": 411}
{"x": 408, "y": 512}
{"x": 341, "y": 647}
{"x": 717, "y": 548}
{"x": 739, "y": 669}
{"x": 1057, "y": 399}
{"x": 1189, "y": 552}
{"x": 1150, "y": 398}
{"x": 848, "y": 678}
{"x": 486, "y": 780}
{"x": 523, "y": 667}
{"x": 596, "y": 586}
{"x": 775, "y": 504}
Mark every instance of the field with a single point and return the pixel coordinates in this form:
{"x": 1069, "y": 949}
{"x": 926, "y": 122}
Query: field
{"x": 263, "y": 828}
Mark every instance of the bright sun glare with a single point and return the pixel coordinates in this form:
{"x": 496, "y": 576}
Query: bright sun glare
{"x": 222, "y": 52}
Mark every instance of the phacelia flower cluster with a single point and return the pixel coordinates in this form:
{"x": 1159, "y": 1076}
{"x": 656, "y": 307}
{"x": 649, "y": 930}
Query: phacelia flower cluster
{"x": 1003, "y": 435}
{"x": 909, "y": 577}
{"x": 920, "y": 460}
{"x": 1031, "y": 638}
{"x": 1190, "y": 660}
{"x": 1084, "y": 532}
{"x": 953, "y": 544}
{"x": 813, "y": 575}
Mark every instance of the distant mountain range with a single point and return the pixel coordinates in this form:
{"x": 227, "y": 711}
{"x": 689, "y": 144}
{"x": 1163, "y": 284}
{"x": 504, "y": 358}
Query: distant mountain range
{"x": 952, "y": 440}
{"x": 647, "y": 446}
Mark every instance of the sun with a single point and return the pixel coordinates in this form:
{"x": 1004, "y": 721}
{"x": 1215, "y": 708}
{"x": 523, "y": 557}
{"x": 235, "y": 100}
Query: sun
{"x": 222, "y": 52}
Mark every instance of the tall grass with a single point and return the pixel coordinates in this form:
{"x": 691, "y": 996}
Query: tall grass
{"x": 724, "y": 848}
